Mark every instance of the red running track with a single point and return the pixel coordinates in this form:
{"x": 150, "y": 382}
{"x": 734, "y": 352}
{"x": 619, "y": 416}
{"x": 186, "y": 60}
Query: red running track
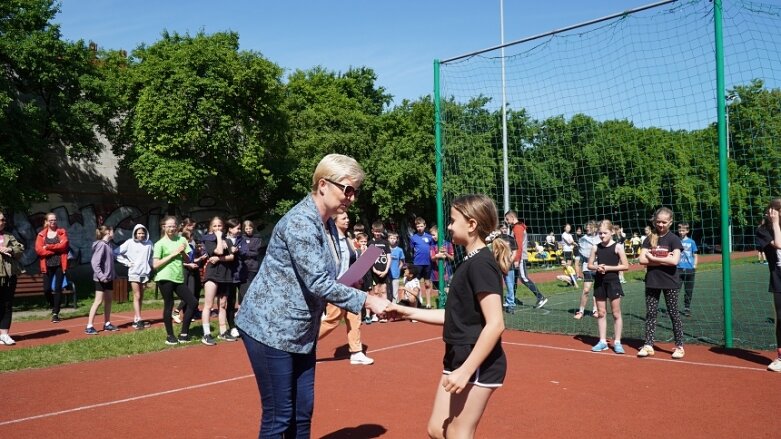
{"x": 555, "y": 388}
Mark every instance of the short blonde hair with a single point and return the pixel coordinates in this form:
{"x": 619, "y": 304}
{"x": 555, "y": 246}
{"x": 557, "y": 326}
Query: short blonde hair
{"x": 337, "y": 167}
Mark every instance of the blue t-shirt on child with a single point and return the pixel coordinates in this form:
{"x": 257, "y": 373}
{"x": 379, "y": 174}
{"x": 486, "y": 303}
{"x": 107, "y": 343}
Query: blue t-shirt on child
{"x": 421, "y": 248}
{"x": 687, "y": 255}
{"x": 397, "y": 256}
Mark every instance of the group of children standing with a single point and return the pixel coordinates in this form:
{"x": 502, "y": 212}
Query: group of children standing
{"x": 391, "y": 276}
{"x": 223, "y": 263}
{"x": 670, "y": 263}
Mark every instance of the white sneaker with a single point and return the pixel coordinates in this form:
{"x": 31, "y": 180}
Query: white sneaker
{"x": 176, "y": 317}
{"x": 360, "y": 358}
{"x": 775, "y": 366}
{"x": 235, "y": 333}
{"x": 6, "y": 339}
{"x": 375, "y": 319}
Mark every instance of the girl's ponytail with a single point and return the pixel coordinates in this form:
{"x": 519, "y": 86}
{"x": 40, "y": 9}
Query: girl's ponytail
{"x": 502, "y": 254}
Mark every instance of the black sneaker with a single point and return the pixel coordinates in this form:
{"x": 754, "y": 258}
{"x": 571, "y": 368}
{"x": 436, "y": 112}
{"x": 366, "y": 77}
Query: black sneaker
{"x": 56, "y": 318}
{"x": 540, "y": 303}
{"x": 91, "y": 331}
{"x": 171, "y": 340}
{"x": 138, "y": 325}
{"x": 184, "y": 338}
{"x": 226, "y": 336}
{"x": 208, "y": 340}
{"x": 110, "y": 328}
{"x": 687, "y": 312}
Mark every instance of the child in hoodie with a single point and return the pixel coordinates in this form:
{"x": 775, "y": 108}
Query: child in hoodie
{"x": 136, "y": 254}
{"x": 104, "y": 274}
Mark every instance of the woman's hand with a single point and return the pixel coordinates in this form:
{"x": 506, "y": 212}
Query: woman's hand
{"x": 377, "y": 305}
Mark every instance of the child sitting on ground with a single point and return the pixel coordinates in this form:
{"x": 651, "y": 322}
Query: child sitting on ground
{"x": 569, "y": 276}
{"x": 409, "y": 293}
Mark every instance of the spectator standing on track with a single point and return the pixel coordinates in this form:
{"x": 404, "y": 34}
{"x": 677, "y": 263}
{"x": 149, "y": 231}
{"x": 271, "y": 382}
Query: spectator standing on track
{"x": 238, "y": 270}
{"x": 397, "y": 263}
{"x": 194, "y": 261}
{"x": 10, "y": 252}
{"x": 769, "y": 239}
{"x": 661, "y": 253}
{"x": 168, "y": 258}
{"x": 218, "y": 280}
{"x": 420, "y": 243}
{"x": 136, "y": 254}
{"x": 518, "y": 231}
{"x": 509, "y": 277}
{"x": 585, "y": 247}
{"x": 103, "y": 274}
{"x": 381, "y": 268}
{"x": 474, "y": 362}
{"x": 252, "y": 260}
{"x": 567, "y": 244}
{"x": 280, "y": 319}
{"x": 334, "y": 314}
{"x": 607, "y": 259}
{"x": 687, "y": 267}
{"x": 51, "y": 246}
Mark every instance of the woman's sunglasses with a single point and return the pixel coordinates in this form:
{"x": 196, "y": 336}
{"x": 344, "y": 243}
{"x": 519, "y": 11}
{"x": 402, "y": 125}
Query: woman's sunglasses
{"x": 347, "y": 190}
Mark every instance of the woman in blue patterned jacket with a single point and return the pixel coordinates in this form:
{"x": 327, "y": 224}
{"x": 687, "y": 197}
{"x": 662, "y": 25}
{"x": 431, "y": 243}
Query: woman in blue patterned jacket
{"x": 280, "y": 316}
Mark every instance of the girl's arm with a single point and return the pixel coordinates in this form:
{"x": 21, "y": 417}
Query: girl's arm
{"x": 672, "y": 258}
{"x": 623, "y": 262}
{"x": 491, "y": 306}
{"x": 430, "y": 316}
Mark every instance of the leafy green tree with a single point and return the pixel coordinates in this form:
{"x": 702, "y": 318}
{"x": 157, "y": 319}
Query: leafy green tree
{"x": 331, "y": 113}
{"x": 53, "y": 102}
{"x": 203, "y": 117}
{"x": 403, "y": 176}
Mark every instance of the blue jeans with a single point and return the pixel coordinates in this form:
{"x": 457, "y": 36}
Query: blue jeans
{"x": 286, "y": 383}
{"x": 509, "y": 281}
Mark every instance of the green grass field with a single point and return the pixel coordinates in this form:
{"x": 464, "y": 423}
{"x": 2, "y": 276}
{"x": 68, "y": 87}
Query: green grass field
{"x": 753, "y": 324}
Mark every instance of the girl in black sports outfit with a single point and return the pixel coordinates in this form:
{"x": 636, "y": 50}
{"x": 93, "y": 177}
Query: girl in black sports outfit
{"x": 474, "y": 362}
{"x": 607, "y": 260}
{"x": 660, "y": 253}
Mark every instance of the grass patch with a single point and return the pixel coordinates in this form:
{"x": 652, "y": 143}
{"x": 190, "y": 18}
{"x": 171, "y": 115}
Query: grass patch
{"x": 126, "y": 343}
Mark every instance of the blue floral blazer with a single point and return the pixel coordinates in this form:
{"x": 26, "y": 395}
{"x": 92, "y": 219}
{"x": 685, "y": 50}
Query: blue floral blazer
{"x": 284, "y": 304}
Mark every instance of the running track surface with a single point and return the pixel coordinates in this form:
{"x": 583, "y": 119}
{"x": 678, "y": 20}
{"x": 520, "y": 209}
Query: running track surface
{"x": 555, "y": 388}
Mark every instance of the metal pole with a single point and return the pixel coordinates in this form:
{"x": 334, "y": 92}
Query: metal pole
{"x": 721, "y": 107}
{"x": 505, "y": 159}
{"x": 438, "y": 160}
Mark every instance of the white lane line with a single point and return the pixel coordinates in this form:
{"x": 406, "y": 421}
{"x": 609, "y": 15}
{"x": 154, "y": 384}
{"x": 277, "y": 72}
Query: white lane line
{"x": 122, "y": 401}
{"x": 181, "y": 389}
{"x": 586, "y": 351}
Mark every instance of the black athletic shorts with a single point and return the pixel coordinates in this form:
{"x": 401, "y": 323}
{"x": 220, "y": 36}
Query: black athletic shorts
{"x": 490, "y": 374}
{"x": 608, "y": 290}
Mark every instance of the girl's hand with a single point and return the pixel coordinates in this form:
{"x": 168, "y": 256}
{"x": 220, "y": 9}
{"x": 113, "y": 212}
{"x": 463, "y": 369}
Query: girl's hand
{"x": 772, "y": 215}
{"x": 456, "y": 381}
{"x": 214, "y": 259}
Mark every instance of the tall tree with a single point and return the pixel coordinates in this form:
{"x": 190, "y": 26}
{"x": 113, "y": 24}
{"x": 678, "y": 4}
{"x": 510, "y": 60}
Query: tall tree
{"x": 332, "y": 112}
{"x": 53, "y": 103}
{"x": 203, "y": 117}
